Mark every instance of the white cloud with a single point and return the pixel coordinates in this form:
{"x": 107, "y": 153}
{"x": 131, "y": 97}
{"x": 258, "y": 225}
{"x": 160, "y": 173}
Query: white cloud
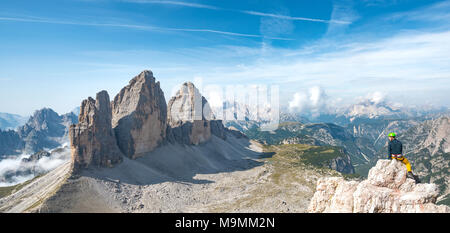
{"x": 312, "y": 102}
{"x": 376, "y": 97}
{"x": 342, "y": 12}
{"x": 436, "y": 12}
{"x": 273, "y": 27}
{"x": 13, "y": 171}
{"x": 298, "y": 102}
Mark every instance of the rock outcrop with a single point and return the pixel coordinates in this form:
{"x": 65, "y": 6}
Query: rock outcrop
{"x": 139, "y": 114}
{"x": 386, "y": 190}
{"x": 190, "y": 118}
{"x": 36, "y": 156}
{"x": 93, "y": 141}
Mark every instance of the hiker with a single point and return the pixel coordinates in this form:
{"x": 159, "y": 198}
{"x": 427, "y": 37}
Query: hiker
{"x": 395, "y": 151}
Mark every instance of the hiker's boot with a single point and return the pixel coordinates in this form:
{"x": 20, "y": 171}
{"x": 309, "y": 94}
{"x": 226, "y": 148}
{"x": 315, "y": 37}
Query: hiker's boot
{"x": 412, "y": 176}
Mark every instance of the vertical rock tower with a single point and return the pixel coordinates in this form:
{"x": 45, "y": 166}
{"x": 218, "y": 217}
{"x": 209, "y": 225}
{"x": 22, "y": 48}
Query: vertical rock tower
{"x": 190, "y": 118}
{"x": 139, "y": 114}
{"x": 137, "y": 121}
{"x": 92, "y": 139}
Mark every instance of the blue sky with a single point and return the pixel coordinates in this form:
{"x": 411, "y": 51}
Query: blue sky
{"x": 56, "y": 53}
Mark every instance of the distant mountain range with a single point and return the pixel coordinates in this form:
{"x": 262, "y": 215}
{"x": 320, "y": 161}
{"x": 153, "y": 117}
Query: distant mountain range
{"x": 363, "y": 136}
{"x": 369, "y": 111}
{"x": 11, "y": 121}
{"x": 45, "y": 129}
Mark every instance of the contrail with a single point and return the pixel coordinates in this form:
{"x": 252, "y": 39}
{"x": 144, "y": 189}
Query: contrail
{"x": 138, "y": 27}
{"x": 293, "y": 18}
{"x": 195, "y": 5}
{"x": 178, "y": 3}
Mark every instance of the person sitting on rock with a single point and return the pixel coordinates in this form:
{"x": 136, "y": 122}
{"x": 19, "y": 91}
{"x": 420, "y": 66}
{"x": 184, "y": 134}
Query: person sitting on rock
{"x": 395, "y": 151}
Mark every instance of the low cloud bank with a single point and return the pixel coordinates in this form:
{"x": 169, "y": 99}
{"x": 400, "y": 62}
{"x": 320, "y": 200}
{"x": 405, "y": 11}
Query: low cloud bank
{"x": 13, "y": 170}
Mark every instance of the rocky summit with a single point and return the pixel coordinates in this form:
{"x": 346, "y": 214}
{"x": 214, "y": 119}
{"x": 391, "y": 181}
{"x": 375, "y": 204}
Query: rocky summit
{"x": 139, "y": 115}
{"x": 92, "y": 139}
{"x": 386, "y": 190}
{"x": 190, "y": 117}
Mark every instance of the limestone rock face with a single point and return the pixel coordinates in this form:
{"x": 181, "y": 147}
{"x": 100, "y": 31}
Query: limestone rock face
{"x": 386, "y": 190}
{"x": 139, "y": 114}
{"x": 190, "y": 118}
{"x": 93, "y": 142}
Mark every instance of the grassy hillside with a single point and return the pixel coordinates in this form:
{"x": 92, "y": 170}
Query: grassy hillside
{"x": 287, "y": 182}
{"x": 316, "y": 158}
{"x": 360, "y": 150}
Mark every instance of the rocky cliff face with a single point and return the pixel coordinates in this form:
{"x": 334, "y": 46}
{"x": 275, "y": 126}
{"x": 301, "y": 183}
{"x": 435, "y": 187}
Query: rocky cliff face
{"x": 190, "y": 118}
{"x": 93, "y": 140}
{"x": 427, "y": 146}
{"x": 433, "y": 136}
{"x": 139, "y": 115}
{"x": 386, "y": 190}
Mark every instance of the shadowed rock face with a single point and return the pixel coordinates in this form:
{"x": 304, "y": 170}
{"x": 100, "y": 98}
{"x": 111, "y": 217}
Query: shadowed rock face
{"x": 139, "y": 114}
{"x": 386, "y": 190}
{"x": 190, "y": 118}
{"x": 92, "y": 139}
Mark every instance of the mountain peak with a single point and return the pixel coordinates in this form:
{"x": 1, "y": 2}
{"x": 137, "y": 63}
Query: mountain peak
{"x": 44, "y": 113}
{"x": 145, "y": 76}
{"x": 146, "y": 73}
{"x": 139, "y": 115}
{"x": 190, "y": 117}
